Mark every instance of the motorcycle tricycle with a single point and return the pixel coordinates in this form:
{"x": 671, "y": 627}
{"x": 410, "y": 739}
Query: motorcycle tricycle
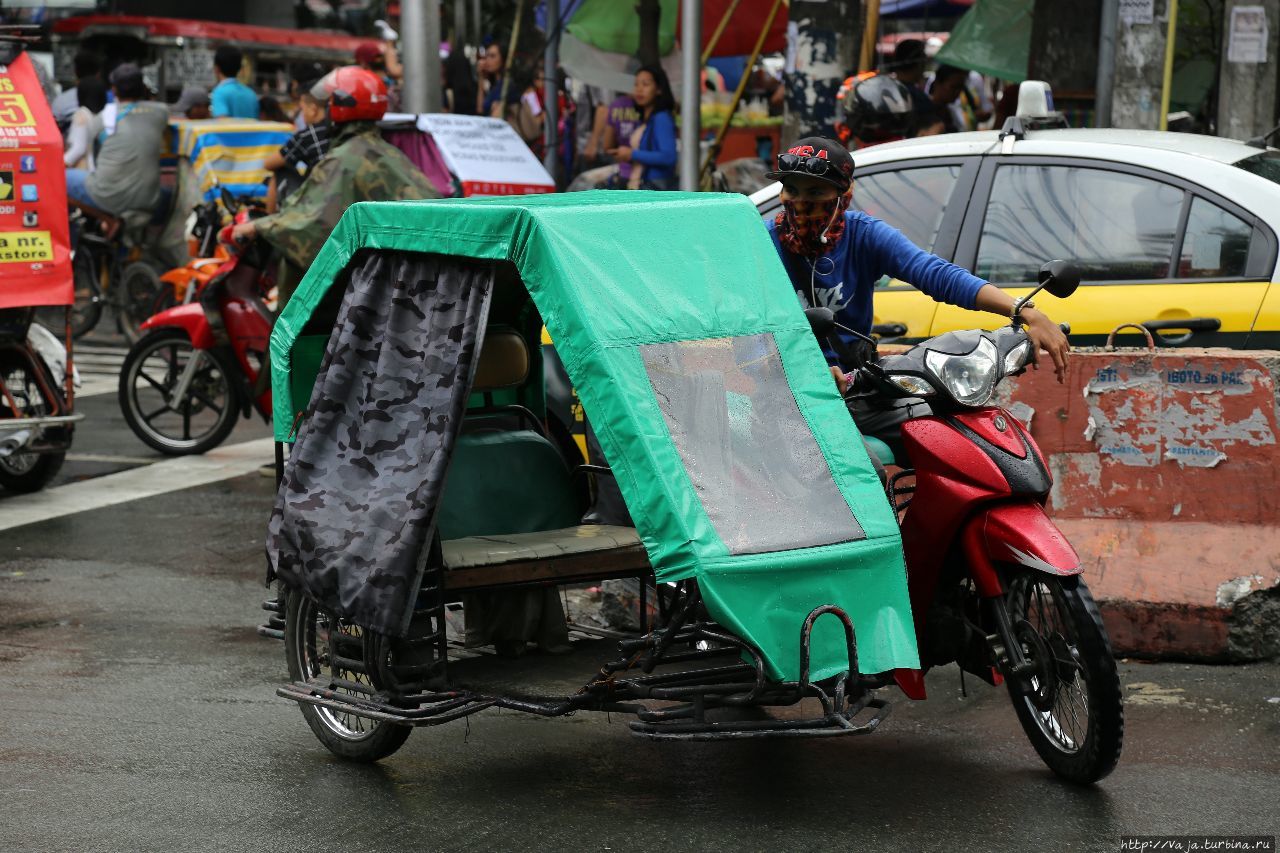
{"x": 420, "y": 477}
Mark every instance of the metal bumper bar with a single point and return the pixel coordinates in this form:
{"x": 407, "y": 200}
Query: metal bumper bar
{"x": 12, "y": 424}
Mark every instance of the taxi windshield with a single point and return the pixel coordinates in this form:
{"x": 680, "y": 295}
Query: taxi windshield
{"x": 1266, "y": 165}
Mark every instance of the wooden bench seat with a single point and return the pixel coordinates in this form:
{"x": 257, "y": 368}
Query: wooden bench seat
{"x": 569, "y": 555}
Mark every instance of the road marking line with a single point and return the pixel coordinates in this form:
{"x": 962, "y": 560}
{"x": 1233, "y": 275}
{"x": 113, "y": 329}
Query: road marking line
{"x": 171, "y": 475}
{"x": 107, "y": 457}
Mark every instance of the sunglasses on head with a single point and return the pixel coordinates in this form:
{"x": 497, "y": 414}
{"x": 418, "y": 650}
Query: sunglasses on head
{"x": 815, "y": 166}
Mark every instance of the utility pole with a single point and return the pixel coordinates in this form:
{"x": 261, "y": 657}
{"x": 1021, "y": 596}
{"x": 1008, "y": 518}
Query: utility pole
{"x": 550, "y": 85}
{"x": 824, "y": 52}
{"x": 690, "y": 94}
{"x": 420, "y": 38}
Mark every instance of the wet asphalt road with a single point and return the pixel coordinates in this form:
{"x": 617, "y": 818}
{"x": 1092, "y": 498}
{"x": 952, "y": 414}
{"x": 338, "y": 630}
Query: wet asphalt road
{"x": 137, "y": 713}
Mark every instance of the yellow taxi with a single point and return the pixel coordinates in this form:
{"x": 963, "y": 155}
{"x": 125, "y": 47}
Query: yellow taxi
{"x": 1173, "y": 231}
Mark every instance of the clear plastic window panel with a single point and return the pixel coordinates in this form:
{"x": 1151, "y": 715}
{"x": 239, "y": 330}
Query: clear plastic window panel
{"x": 753, "y": 462}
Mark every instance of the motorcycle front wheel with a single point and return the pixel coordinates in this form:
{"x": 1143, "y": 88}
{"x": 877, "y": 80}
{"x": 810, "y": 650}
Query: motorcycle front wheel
{"x": 150, "y": 378}
{"x": 1071, "y": 707}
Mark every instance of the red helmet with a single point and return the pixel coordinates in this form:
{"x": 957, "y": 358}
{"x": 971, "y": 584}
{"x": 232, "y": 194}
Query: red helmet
{"x": 354, "y": 94}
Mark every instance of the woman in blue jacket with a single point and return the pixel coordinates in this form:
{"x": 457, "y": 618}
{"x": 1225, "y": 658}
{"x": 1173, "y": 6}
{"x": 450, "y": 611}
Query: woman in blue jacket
{"x": 652, "y": 147}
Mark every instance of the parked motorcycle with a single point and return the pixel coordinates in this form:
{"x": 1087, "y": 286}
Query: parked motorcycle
{"x": 995, "y": 586}
{"x": 183, "y": 385}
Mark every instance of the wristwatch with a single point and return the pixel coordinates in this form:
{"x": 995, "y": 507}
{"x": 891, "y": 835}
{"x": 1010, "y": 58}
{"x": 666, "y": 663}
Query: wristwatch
{"x": 1016, "y": 316}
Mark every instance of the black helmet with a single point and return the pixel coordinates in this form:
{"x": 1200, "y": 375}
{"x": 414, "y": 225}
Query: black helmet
{"x": 878, "y": 109}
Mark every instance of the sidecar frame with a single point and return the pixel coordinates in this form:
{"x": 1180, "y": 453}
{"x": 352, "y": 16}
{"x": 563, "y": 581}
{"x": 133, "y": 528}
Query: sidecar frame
{"x": 632, "y": 332}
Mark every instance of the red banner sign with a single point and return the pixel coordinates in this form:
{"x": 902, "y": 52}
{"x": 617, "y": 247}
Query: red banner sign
{"x": 35, "y": 256}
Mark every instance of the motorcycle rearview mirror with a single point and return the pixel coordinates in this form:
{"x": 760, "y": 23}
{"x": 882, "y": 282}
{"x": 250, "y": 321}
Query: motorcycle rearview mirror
{"x": 821, "y": 320}
{"x": 229, "y": 201}
{"x": 1060, "y": 278}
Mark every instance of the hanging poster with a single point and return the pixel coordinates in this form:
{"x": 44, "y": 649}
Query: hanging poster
{"x": 35, "y": 257}
{"x": 1247, "y": 38}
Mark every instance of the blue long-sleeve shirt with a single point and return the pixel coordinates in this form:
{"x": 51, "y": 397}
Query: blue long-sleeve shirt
{"x": 657, "y": 151}
{"x": 844, "y": 279}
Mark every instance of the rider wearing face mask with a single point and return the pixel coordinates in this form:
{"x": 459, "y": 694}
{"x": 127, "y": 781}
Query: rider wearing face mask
{"x": 835, "y": 255}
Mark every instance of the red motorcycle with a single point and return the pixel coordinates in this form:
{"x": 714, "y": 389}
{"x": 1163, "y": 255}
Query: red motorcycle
{"x": 995, "y": 586}
{"x": 199, "y": 366}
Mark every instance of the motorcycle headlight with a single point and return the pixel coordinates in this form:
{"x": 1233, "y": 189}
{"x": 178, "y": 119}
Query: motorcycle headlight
{"x": 1017, "y": 357}
{"x": 970, "y": 378}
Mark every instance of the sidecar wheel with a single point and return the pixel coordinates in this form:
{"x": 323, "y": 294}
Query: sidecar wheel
{"x": 1072, "y": 711}
{"x": 308, "y": 634}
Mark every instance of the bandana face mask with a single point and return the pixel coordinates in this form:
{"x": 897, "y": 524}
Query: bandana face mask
{"x": 802, "y": 223}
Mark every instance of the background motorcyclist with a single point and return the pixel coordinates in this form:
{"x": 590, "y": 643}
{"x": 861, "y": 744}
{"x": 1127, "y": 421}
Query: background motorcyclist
{"x": 359, "y": 166}
{"x": 872, "y": 108}
{"x": 835, "y": 255}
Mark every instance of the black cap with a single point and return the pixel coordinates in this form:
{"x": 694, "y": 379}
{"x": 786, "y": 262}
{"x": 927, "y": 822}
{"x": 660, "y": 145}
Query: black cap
{"x": 840, "y": 172}
{"x": 907, "y": 53}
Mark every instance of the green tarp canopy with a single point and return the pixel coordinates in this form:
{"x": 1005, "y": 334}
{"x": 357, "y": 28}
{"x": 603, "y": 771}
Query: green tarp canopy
{"x": 992, "y": 38}
{"x": 710, "y": 397}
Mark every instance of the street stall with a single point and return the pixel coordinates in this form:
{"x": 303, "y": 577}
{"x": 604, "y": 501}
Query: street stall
{"x": 37, "y": 389}
{"x": 176, "y": 52}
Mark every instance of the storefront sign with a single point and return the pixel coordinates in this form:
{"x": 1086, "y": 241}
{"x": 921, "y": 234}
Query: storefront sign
{"x": 486, "y": 155}
{"x": 35, "y": 260}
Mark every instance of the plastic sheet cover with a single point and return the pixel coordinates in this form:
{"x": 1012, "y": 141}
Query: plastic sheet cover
{"x": 616, "y": 275}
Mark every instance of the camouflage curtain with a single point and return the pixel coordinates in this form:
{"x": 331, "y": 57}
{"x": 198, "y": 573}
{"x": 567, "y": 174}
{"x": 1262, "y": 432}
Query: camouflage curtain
{"x": 355, "y": 513}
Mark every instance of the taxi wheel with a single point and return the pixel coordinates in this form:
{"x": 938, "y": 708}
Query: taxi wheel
{"x": 315, "y": 641}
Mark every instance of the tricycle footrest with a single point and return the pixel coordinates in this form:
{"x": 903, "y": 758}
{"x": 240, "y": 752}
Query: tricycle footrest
{"x": 426, "y": 709}
{"x": 833, "y": 725}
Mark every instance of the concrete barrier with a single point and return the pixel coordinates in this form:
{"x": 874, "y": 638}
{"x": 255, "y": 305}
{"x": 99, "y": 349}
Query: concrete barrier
{"x": 1166, "y": 482}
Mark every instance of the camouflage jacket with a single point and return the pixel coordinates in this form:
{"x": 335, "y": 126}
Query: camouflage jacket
{"x": 360, "y": 166}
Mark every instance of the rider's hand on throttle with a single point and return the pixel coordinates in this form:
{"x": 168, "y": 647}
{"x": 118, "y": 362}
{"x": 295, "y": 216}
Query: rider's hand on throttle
{"x": 1045, "y": 335}
{"x": 842, "y": 381}
{"x": 243, "y": 232}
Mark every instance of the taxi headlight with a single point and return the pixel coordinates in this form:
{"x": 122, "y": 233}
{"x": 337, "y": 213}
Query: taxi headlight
{"x": 970, "y": 378}
{"x": 1017, "y": 357}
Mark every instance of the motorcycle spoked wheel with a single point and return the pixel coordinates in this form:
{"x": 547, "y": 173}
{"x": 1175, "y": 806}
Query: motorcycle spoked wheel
{"x": 27, "y": 472}
{"x": 202, "y": 419}
{"x": 139, "y": 291}
{"x": 309, "y": 638}
{"x": 1071, "y": 709}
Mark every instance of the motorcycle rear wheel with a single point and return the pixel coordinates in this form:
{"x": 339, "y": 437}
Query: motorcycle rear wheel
{"x": 308, "y": 641}
{"x": 1073, "y": 713}
{"x": 199, "y": 422}
{"x": 139, "y": 290}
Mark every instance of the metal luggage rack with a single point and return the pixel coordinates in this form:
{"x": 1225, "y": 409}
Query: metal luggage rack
{"x": 668, "y": 657}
